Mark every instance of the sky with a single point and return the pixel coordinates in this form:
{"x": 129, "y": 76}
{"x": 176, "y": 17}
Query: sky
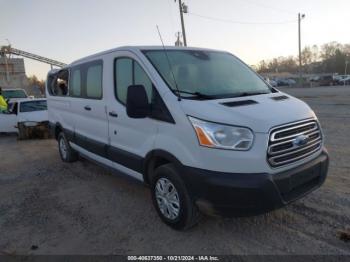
{"x": 67, "y": 30}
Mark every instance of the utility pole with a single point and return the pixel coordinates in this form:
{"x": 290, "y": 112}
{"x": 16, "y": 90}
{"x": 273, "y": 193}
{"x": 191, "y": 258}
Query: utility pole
{"x": 346, "y": 69}
{"x": 183, "y": 9}
{"x": 300, "y": 17}
{"x": 178, "y": 42}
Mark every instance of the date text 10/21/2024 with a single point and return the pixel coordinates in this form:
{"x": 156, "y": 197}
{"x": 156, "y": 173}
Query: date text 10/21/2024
{"x": 173, "y": 258}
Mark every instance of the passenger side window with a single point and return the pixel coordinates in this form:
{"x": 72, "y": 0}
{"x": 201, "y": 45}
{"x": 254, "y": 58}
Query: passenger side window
{"x": 123, "y": 76}
{"x": 141, "y": 78}
{"x": 129, "y": 72}
{"x": 94, "y": 81}
{"x": 75, "y": 83}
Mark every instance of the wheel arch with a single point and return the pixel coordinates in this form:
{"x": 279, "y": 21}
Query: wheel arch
{"x": 57, "y": 128}
{"x": 156, "y": 158}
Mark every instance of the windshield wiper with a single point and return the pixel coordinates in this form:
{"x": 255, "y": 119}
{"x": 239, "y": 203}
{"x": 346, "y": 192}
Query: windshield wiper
{"x": 250, "y": 94}
{"x": 197, "y": 94}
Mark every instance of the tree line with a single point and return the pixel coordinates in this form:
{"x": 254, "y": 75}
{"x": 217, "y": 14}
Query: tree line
{"x": 33, "y": 80}
{"x": 328, "y": 58}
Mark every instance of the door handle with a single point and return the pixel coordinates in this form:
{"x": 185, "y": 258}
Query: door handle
{"x": 88, "y": 108}
{"x": 113, "y": 114}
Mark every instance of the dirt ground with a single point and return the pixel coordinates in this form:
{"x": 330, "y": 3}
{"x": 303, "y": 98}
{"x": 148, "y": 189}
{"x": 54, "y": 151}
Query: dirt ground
{"x": 50, "y": 207}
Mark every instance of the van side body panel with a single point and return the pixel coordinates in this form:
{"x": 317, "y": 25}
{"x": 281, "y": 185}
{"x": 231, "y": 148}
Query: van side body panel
{"x": 129, "y": 139}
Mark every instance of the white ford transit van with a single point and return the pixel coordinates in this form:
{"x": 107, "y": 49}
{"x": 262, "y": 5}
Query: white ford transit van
{"x": 198, "y": 126}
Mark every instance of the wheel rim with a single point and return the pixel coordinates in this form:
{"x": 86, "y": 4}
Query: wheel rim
{"x": 167, "y": 198}
{"x": 63, "y": 148}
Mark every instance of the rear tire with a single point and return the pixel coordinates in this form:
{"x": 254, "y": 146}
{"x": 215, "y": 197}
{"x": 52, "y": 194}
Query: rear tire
{"x": 172, "y": 200}
{"x": 67, "y": 153}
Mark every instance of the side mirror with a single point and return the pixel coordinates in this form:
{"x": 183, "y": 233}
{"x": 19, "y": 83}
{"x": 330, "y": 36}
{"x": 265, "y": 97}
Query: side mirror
{"x": 137, "y": 105}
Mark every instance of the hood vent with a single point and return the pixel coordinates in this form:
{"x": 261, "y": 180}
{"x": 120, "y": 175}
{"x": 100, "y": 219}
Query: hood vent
{"x": 279, "y": 98}
{"x": 239, "y": 103}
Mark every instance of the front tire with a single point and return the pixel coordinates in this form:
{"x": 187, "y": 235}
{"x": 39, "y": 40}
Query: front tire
{"x": 172, "y": 200}
{"x": 67, "y": 153}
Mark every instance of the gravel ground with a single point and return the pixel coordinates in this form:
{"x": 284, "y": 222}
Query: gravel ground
{"x": 50, "y": 207}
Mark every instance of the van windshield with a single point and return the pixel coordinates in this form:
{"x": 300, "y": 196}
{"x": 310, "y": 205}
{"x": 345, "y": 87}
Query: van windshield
{"x": 206, "y": 74}
{"x": 8, "y": 94}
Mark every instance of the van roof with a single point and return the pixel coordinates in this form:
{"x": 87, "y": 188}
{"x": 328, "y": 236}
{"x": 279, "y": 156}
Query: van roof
{"x": 137, "y": 49}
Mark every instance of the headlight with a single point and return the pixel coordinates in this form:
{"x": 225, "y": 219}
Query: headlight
{"x": 222, "y": 136}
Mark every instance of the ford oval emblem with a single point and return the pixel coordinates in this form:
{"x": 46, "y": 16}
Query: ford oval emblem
{"x": 301, "y": 140}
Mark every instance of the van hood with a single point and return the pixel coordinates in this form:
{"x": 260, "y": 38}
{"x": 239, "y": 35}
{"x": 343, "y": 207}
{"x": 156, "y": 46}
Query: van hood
{"x": 260, "y": 112}
{"x": 35, "y": 116}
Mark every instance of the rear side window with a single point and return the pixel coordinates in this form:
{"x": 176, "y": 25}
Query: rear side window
{"x": 85, "y": 80}
{"x": 75, "y": 83}
{"x": 129, "y": 72}
{"x": 81, "y": 81}
{"x": 58, "y": 83}
{"x": 94, "y": 81}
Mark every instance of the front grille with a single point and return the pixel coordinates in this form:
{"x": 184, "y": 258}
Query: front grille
{"x": 293, "y": 142}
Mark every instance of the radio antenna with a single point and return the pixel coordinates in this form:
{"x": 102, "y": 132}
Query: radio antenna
{"x": 171, "y": 68}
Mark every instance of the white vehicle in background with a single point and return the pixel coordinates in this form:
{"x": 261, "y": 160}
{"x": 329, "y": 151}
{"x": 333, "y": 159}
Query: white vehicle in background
{"x": 345, "y": 80}
{"x": 24, "y": 113}
{"x": 14, "y": 94}
{"x": 273, "y": 83}
{"x": 285, "y": 82}
{"x": 340, "y": 77}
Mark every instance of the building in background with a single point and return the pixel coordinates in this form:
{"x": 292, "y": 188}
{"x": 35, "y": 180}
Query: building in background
{"x": 12, "y": 73}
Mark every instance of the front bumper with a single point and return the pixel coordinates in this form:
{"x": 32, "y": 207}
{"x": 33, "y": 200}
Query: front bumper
{"x": 233, "y": 194}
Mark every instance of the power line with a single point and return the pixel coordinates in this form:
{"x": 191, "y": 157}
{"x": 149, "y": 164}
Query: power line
{"x": 241, "y": 22}
{"x": 268, "y": 7}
